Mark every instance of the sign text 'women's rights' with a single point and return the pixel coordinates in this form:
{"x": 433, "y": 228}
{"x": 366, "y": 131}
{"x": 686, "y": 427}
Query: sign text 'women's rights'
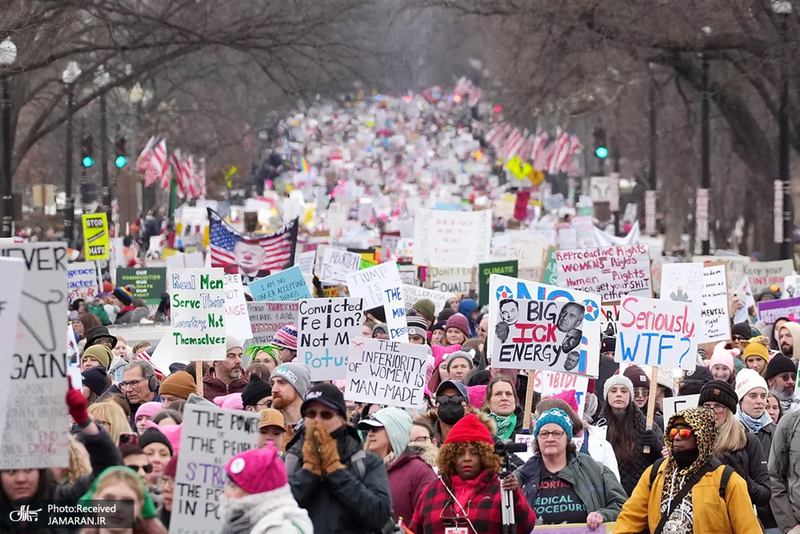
{"x": 197, "y": 299}
{"x": 657, "y": 332}
{"x": 326, "y": 328}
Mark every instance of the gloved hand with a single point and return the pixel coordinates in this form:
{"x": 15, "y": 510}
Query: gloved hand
{"x": 649, "y": 439}
{"x": 328, "y": 452}
{"x": 310, "y": 455}
{"x": 77, "y": 405}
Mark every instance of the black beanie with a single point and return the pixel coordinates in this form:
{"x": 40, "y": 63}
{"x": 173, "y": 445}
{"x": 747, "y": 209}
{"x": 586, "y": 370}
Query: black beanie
{"x": 778, "y": 365}
{"x": 720, "y": 392}
{"x": 255, "y": 390}
{"x": 94, "y": 378}
{"x": 742, "y": 329}
{"x": 153, "y": 435}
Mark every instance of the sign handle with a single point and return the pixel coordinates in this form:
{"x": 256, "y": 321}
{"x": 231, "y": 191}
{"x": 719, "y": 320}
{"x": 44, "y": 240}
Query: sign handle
{"x": 526, "y": 420}
{"x": 651, "y": 403}
{"x": 473, "y": 283}
{"x": 198, "y": 373}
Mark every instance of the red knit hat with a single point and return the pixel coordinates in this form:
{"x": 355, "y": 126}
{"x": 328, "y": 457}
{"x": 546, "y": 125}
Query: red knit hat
{"x": 257, "y": 470}
{"x": 469, "y": 430}
{"x": 460, "y": 322}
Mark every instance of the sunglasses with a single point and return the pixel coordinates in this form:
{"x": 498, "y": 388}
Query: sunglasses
{"x": 455, "y": 399}
{"x": 325, "y": 414}
{"x": 684, "y": 433}
{"x": 641, "y": 392}
{"x": 146, "y": 468}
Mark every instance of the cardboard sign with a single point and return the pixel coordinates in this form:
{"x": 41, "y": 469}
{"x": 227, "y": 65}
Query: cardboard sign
{"x": 395, "y": 308}
{"x": 673, "y": 405}
{"x": 411, "y": 294}
{"x": 197, "y": 305}
{"x": 284, "y": 286}
{"x": 657, "y": 332}
{"x": 337, "y": 264}
{"x": 456, "y": 280}
{"x": 612, "y": 272}
{"x": 237, "y": 319}
{"x": 771, "y": 310}
{"x": 452, "y": 238}
{"x": 36, "y": 421}
{"x": 715, "y": 324}
{"x": 507, "y": 268}
{"x": 548, "y": 383}
{"x": 325, "y": 329}
{"x": 82, "y": 281}
{"x": 266, "y": 318}
{"x": 369, "y": 283}
{"x": 96, "y": 245}
{"x": 146, "y": 284}
{"x": 763, "y": 274}
{"x": 210, "y": 437}
{"x": 386, "y": 372}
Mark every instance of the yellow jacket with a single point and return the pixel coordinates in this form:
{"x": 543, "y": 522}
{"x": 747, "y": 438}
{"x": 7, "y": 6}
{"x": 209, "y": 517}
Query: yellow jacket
{"x": 711, "y": 515}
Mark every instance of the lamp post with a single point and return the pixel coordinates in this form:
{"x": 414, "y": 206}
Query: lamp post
{"x": 8, "y": 54}
{"x": 784, "y": 9}
{"x": 135, "y": 98}
{"x": 101, "y": 80}
{"x": 69, "y": 76}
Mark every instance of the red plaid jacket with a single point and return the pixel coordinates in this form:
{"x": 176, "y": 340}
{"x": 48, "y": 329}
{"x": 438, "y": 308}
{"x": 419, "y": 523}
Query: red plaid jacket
{"x": 435, "y": 511}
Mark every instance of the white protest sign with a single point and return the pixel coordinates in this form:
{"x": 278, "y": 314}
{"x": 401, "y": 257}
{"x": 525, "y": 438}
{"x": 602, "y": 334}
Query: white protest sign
{"x": 763, "y": 274}
{"x": 611, "y": 272}
{"x": 745, "y": 293}
{"x": 306, "y": 260}
{"x": 548, "y": 384}
{"x": 210, "y": 437}
{"x": 791, "y": 287}
{"x": 35, "y": 428}
{"x": 367, "y": 284}
{"x": 408, "y": 274}
{"x": 82, "y": 281}
{"x": 715, "y": 325}
{"x": 197, "y": 299}
{"x": 395, "y": 308}
{"x": 237, "y": 320}
{"x": 326, "y": 327}
{"x": 337, "y": 263}
{"x": 386, "y": 372}
{"x": 505, "y": 287}
{"x": 266, "y": 318}
{"x": 656, "y": 332}
{"x": 682, "y": 282}
{"x": 528, "y": 248}
{"x": 452, "y": 238}
{"x": 411, "y": 294}
{"x": 673, "y": 405}
{"x": 12, "y": 272}
{"x": 456, "y": 280}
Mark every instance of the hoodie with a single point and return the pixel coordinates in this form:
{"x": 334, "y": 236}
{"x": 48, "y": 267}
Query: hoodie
{"x": 794, "y": 329}
{"x": 466, "y": 307}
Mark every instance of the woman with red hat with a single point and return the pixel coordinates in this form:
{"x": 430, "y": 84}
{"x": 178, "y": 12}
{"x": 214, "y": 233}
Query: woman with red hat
{"x": 467, "y": 493}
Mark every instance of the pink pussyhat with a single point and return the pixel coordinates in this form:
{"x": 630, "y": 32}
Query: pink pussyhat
{"x": 477, "y": 396}
{"x": 232, "y": 401}
{"x": 172, "y": 433}
{"x": 569, "y": 397}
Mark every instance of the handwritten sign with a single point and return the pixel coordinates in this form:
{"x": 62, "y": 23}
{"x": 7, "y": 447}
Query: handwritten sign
{"x": 386, "y": 372}
{"x": 146, "y": 284}
{"x": 266, "y": 318}
{"x": 368, "y": 284}
{"x": 237, "y": 319}
{"x": 673, "y": 405}
{"x": 408, "y": 274}
{"x": 612, "y": 272}
{"x": 411, "y": 294}
{"x": 682, "y": 282}
{"x": 210, "y": 437}
{"x": 35, "y": 432}
{"x": 326, "y": 327}
{"x": 284, "y": 286}
{"x": 452, "y": 238}
{"x": 548, "y": 383}
{"x": 771, "y": 310}
{"x": 337, "y": 264}
{"x": 395, "y": 308}
{"x": 715, "y": 325}
{"x": 306, "y": 260}
{"x": 197, "y": 300}
{"x": 791, "y": 287}
{"x": 95, "y": 237}
{"x": 12, "y": 272}
{"x": 528, "y": 248}
{"x": 456, "y": 280}
{"x": 550, "y": 271}
{"x": 657, "y": 332}
{"x": 763, "y": 274}
{"x": 507, "y": 268}
{"x": 82, "y": 281}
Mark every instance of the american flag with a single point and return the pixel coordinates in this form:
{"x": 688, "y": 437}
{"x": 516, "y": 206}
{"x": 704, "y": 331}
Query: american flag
{"x": 279, "y": 246}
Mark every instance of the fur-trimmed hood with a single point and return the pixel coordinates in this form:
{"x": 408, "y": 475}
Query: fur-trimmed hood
{"x": 427, "y": 452}
{"x": 432, "y": 419}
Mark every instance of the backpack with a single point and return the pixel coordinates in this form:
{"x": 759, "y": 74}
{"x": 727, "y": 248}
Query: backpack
{"x": 723, "y": 483}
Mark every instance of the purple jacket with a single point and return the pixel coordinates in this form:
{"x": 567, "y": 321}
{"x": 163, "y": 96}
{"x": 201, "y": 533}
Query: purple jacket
{"x": 409, "y": 475}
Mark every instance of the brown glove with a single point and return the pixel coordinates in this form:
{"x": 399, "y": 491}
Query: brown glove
{"x": 311, "y": 460}
{"x": 328, "y": 451}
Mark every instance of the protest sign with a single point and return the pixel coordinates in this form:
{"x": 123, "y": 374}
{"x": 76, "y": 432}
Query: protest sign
{"x": 12, "y": 272}
{"x": 306, "y": 261}
{"x": 456, "y": 280}
{"x": 673, "y": 405}
{"x": 369, "y": 283}
{"x": 337, "y": 264}
{"x": 82, "y": 281}
{"x": 283, "y": 286}
{"x": 734, "y": 267}
{"x": 266, "y": 318}
{"x": 95, "y": 237}
{"x": 715, "y": 325}
{"x": 192, "y": 243}
{"x": 146, "y": 284}
{"x": 386, "y": 372}
{"x": 210, "y": 437}
{"x": 791, "y": 287}
{"x": 528, "y": 248}
{"x": 770, "y": 310}
{"x": 657, "y": 332}
{"x": 197, "y": 300}
{"x": 550, "y": 272}
{"x": 763, "y": 274}
{"x": 504, "y": 287}
{"x": 452, "y": 238}
{"x": 389, "y": 246}
{"x": 35, "y": 431}
{"x": 326, "y": 327}
{"x": 745, "y": 295}
{"x": 548, "y": 383}
{"x": 408, "y": 274}
{"x": 508, "y": 268}
{"x": 395, "y": 309}
{"x": 237, "y": 319}
{"x": 682, "y": 282}
{"x": 412, "y": 294}
{"x": 611, "y": 272}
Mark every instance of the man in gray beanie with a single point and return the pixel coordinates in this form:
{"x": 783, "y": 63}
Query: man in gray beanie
{"x": 290, "y": 383}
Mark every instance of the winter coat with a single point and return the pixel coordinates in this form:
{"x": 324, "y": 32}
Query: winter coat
{"x": 485, "y": 512}
{"x": 751, "y": 464}
{"x": 408, "y": 476}
{"x": 271, "y": 512}
{"x": 213, "y": 387}
{"x": 341, "y": 502}
{"x": 711, "y": 514}
{"x": 764, "y": 437}
{"x": 598, "y": 447}
{"x": 114, "y": 390}
{"x": 596, "y": 486}
{"x": 784, "y": 472}
{"x": 133, "y": 316}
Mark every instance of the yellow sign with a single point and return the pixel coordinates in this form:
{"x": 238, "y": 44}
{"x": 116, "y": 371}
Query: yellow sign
{"x": 95, "y": 237}
{"x": 519, "y": 168}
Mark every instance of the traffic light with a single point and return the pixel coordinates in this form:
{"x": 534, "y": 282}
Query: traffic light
{"x": 87, "y": 151}
{"x": 120, "y": 147}
{"x": 600, "y": 147}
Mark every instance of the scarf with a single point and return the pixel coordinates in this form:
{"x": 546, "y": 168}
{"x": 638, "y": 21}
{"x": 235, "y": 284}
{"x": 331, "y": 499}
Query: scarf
{"x": 505, "y": 424}
{"x": 464, "y": 491}
{"x": 274, "y": 511}
{"x": 753, "y": 424}
{"x": 389, "y": 459}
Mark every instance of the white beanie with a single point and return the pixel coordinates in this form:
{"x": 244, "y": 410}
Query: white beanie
{"x": 617, "y": 380}
{"x": 747, "y": 380}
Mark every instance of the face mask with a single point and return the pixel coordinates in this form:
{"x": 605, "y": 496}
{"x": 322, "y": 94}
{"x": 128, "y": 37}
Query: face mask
{"x": 450, "y": 413}
{"x": 685, "y": 458}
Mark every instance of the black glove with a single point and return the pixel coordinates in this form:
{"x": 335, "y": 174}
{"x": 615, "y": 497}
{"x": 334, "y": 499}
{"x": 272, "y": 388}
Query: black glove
{"x": 650, "y": 439}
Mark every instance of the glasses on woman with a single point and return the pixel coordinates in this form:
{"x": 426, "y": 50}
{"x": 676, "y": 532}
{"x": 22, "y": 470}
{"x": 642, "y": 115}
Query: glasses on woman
{"x": 641, "y": 392}
{"x": 714, "y": 407}
{"x": 684, "y": 433}
{"x": 147, "y": 469}
{"x": 166, "y": 482}
{"x": 556, "y": 434}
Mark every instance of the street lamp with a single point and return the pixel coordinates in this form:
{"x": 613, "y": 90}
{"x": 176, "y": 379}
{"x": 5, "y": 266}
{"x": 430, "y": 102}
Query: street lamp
{"x": 8, "y": 54}
{"x": 784, "y": 9}
{"x": 69, "y": 77}
{"x": 102, "y": 79}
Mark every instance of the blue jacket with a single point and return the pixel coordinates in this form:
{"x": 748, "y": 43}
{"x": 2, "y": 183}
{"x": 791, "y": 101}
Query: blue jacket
{"x": 465, "y": 308}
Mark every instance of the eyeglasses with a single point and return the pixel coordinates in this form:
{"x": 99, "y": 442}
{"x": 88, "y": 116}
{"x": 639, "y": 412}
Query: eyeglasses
{"x": 684, "y": 433}
{"x": 131, "y": 384}
{"x": 716, "y": 408}
{"x": 738, "y": 338}
{"x": 325, "y": 414}
{"x": 556, "y": 434}
{"x": 786, "y": 377}
{"x": 166, "y": 482}
{"x": 455, "y": 399}
{"x": 641, "y": 392}
{"x": 146, "y": 468}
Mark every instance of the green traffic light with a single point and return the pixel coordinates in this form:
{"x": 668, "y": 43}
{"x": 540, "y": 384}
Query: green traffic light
{"x": 88, "y": 161}
{"x": 121, "y": 161}
{"x": 601, "y": 152}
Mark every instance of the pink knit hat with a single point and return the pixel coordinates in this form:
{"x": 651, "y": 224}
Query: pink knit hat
{"x": 148, "y": 409}
{"x": 569, "y": 397}
{"x": 440, "y": 352}
{"x": 723, "y": 356}
{"x": 286, "y": 337}
{"x": 458, "y": 321}
{"x": 172, "y": 433}
{"x": 232, "y": 401}
{"x": 257, "y": 470}
{"x": 477, "y": 396}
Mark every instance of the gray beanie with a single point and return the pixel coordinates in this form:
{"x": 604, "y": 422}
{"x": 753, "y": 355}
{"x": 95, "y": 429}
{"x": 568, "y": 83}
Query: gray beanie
{"x": 297, "y": 374}
{"x": 617, "y": 380}
{"x": 459, "y": 354}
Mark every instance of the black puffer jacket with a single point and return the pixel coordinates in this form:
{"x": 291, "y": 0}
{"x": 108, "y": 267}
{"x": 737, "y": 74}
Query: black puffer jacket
{"x": 764, "y": 437}
{"x": 751, "y": 463}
